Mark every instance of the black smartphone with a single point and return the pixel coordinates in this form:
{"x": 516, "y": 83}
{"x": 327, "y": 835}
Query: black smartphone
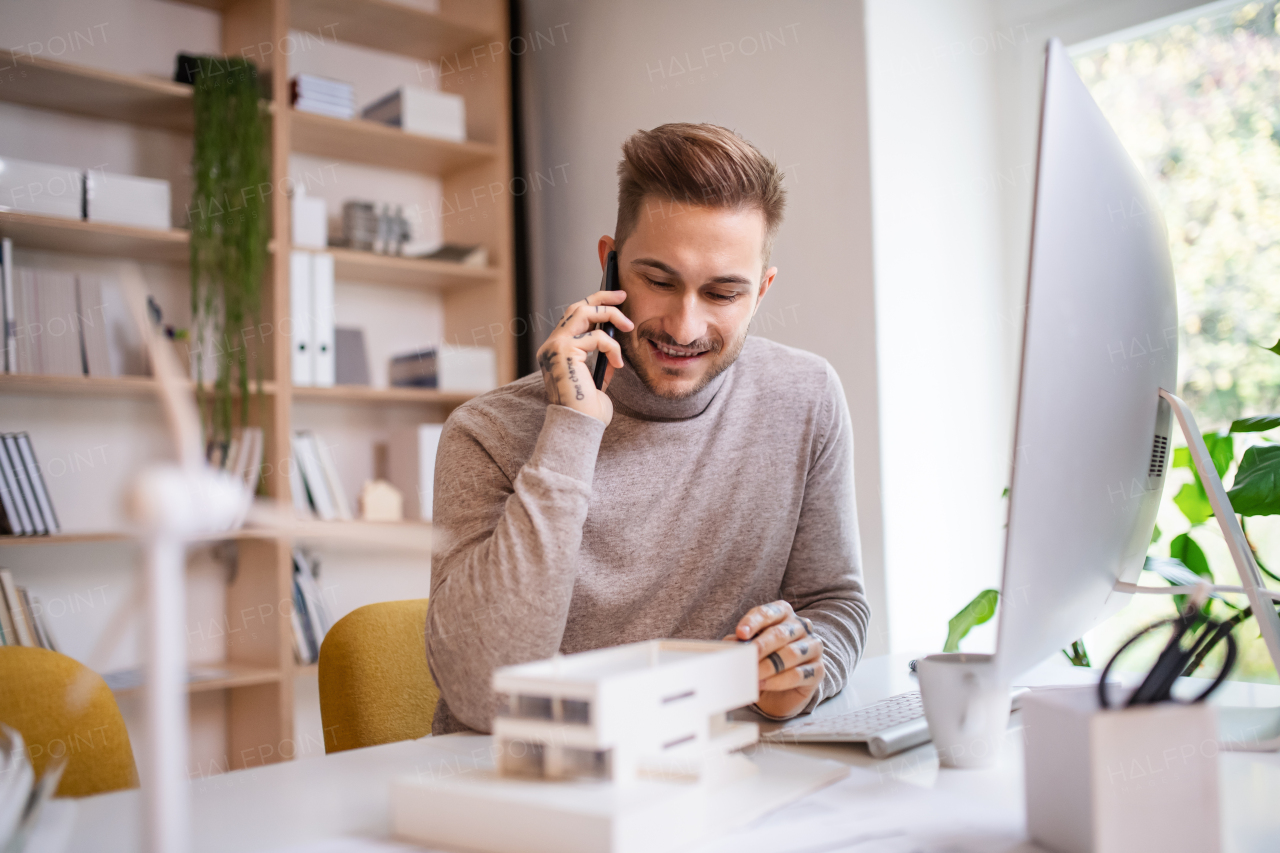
{"x": 610, "y": 283}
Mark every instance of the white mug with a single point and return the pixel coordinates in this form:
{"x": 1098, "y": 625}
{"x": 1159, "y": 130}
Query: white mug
{"x": 967, "y": 707}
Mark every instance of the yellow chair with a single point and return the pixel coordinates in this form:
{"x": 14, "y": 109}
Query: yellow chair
{"x": 375, "y": 685}
{"x": 62, "y": 707}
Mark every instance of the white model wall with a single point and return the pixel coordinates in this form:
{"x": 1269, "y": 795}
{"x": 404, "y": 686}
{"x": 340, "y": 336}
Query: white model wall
{"x": 790, "y": 77}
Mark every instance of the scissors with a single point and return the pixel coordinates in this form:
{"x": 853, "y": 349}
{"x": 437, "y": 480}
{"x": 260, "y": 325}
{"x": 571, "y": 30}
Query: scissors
{"x": 1193, "y": 638}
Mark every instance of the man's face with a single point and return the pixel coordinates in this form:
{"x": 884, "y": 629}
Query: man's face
{"x": 693, "y": 280}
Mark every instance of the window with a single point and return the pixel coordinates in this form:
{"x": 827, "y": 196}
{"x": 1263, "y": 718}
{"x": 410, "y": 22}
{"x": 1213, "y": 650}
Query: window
{"x": 1196, "y": 105}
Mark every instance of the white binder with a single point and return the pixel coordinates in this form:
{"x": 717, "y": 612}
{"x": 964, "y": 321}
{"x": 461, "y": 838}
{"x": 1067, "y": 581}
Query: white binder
{"x": 322, "y": 319}
{"x": 301, "y": 318}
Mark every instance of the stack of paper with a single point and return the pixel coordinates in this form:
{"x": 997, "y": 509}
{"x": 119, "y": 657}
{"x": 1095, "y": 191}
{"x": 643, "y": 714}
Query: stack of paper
{"x": 313, "y": 94}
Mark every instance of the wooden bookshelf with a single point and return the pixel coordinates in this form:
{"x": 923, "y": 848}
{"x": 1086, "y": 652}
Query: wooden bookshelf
{"x": 78, "y": 237}
{"x": 390, "y": 26}
{"x": 373, "y": 144}
{"x": 350, "y": 265}
{"x": 40, "y": 385}
{"x": 222, "y": 676}
{"x": 260, "y": 672}
{"x": 367, "y": 394}
{"x": 77, "y": 89}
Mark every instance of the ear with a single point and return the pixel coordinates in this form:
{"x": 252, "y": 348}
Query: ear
{"x": 765, "y": 283}
{"x": 604, "y": 247}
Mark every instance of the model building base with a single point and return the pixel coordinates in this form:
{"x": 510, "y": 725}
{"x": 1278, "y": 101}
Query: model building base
{"x": 471, "y": 807}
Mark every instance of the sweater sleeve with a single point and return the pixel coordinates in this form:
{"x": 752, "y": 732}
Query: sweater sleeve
{"x": 505, "y": 560}
{"x": 823, "y": 580}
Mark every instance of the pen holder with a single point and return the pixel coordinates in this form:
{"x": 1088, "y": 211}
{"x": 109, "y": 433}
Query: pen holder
{"x": 1120, "y": 781}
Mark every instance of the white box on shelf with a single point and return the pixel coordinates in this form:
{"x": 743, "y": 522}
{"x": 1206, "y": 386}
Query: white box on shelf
{"x": 467, "y": 368}
{"x": 411, "y": 466}
{"x": 41, "y": 188}
{"x": 426, "y": 112}
{"x": 127, "y": 200}
{"x": 1120, "y": 781}
{"x": 310, "y": 220}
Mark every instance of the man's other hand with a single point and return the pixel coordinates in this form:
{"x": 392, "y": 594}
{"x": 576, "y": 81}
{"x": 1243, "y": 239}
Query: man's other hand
{"x": 790, "y": 656}
{"x": 563, "y": 357}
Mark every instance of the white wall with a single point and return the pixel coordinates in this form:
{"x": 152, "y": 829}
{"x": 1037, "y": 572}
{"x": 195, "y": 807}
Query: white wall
{"x": 789, "y": 76}
{"x": 954, "y": 105}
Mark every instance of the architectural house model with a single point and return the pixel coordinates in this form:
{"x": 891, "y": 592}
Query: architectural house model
{"x": 647, "y": 709}
{"x": 621, "y": 749}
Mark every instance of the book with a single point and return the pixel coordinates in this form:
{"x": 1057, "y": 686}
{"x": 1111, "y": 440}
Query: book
{"x": 322, "y": 317}
{"x": 8, "y": 323}
{"x": 311, "y": 647}
{"x": 92, "y": 322}
{"x": 17, "y": 514}
{"x": 7, "y": 626}
{"x": 37, "y": 482}
{"x": 13, "y": 605}
{"x": 308, "y": 460}
{"x": 42, "y": 625}
{"x": 27, "y": 322}
{"x": 414, "y": 369}
{"x": 317, "y": 612}
{"x": 331, "y": 479}
{"x": 57, "y": 337}
{"x": 350, "y": 357}
{"x": 425, "y": 112}
{"x": 25, "y": 489}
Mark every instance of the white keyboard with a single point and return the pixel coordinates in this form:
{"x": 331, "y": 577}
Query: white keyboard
{"x": 888, "y": 726}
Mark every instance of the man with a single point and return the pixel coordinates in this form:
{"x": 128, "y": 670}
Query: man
{"x": 706, "y": 493}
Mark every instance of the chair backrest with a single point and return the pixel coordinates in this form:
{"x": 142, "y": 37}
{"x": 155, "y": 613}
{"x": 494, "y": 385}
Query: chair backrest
{"x": 375, "y": 686}
{"x": 62, "y": 707}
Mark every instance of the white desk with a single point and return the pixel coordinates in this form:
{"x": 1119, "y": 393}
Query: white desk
{"x": 905, "y": 803}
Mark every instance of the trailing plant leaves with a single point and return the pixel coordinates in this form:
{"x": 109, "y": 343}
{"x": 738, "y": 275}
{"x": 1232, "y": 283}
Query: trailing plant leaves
{"x": 1275, "y": 348}
{"x": 1194, "y": 503}
{"x": 230, "y": 224}
{"x": 1257, "y": 486}
{"x": 1155, "y": 535}
{"x": 1258, "y": 423}
{"x": 980, "y": 610}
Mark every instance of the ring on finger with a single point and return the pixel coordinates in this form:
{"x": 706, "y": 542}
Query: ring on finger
{"x": 776, "y": 659}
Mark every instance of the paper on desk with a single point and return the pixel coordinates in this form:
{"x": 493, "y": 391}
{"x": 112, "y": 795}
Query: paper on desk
{"x": 352, "y": 845}
{"x": 869, "y": 813}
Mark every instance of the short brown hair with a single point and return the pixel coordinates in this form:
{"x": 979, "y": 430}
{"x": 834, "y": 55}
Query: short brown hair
{"x": 698, "y": 164}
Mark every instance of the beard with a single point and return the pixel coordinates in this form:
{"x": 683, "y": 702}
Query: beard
{"x": 719, "y": 354}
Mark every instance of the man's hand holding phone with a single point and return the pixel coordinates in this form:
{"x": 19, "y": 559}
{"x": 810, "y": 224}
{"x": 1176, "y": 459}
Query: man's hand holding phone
{"x": 563, "y": 357}
{"x": 790, "y": 656}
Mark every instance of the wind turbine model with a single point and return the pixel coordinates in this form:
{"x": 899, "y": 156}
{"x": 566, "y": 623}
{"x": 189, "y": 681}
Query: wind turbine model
{"x": 171, "y": 505}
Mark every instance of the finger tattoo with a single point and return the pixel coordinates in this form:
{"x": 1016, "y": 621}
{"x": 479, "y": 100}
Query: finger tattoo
{"x": 807, "y": 672}
{"x": 802, "y": 648}
{"x": 776, "y": 660}
{"x": 791, "y": 630}
{"x": 808, "y": 625}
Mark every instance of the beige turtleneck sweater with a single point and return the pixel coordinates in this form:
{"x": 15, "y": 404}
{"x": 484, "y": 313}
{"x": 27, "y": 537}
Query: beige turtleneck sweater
{"x": 557, "y": 534}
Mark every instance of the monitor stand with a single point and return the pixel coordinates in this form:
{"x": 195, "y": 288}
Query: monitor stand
{"x": 1247, "y": 729}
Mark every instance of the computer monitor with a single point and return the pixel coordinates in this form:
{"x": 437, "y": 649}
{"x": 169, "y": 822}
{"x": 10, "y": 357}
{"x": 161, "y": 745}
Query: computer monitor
{"x": 1100, "y": 340}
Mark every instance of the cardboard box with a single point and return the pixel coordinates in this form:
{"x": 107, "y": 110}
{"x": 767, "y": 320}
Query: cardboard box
{"x": 127, "y": 200}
